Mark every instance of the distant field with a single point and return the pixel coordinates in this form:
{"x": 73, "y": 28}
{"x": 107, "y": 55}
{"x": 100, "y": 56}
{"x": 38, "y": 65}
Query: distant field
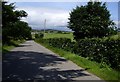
{"x": 115, "y": 37}
{"x": 58, "y": 35}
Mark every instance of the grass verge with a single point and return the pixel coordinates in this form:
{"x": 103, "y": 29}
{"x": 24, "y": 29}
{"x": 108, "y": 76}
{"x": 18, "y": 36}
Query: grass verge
{"x": 104, "y": 73}
{"x": 7, "y": 47}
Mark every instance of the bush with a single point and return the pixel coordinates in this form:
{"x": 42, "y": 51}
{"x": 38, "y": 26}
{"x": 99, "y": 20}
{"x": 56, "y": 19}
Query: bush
{"x": 36, "y": 36}
{"x": 40, "y": 35}
{"x": 59, "y": 32}
{"x": 103, "y": 51}
{"x": 107, "y": 51}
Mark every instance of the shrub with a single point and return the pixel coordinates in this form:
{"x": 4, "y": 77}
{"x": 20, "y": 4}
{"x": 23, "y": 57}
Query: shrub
{"x": 36, "y": 36}
{"x": 40, "y": 35}
{"x": 103, "y": 51}
{"x": 107, "y": 51}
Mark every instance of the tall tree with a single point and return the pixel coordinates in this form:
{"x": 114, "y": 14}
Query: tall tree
{"x": 91, "y": 20}
{"x": 10, "y": 15}
{"x": 13, "y": 27}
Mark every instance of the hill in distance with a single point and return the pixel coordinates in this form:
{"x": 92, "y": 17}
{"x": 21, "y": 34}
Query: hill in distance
{"x": 50, "y": 30}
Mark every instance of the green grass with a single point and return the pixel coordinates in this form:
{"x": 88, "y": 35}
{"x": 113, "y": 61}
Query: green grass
{"x": 104, "y": 73}
{"x": 58, "y": 35}
{"x": 70, "y": 36}
{"x": 7, "y": 47}
{"x": 113, "y": 37}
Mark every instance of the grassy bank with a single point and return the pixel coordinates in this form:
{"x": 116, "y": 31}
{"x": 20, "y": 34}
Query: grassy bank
{"x": 104, "y": 73}
{"x": 13, "y": 43}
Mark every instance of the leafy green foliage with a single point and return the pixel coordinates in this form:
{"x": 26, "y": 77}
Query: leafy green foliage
{"x": 13, "y": 28}
{"x": 62, "y": 43}
{"x": 99, "y": 50}
{"x": 87, "y": 21}
{"x": 36, "y": 36}
{"x": 40, "y": 35}
{"x": 12, "y": 44}
{"x": 107, "y": 74}
{"x": 10, "y": 15}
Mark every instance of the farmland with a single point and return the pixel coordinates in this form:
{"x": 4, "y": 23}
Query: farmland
{"x": 55, "y": 34}
{"x": 62, "y": 34}
{"x": 58, "y": 35}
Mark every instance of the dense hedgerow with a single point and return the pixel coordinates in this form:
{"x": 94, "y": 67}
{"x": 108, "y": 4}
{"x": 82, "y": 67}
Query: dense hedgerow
{"x": 103, "y": 51}
{"x": 62, "y": 43}
{"x": 107, "y": 51}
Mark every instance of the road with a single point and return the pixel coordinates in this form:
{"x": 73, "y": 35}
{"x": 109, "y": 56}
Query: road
{"x": 31, "y": 61}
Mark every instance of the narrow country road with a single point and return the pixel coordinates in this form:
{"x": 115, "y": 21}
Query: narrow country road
{"x": 32, "y": 61}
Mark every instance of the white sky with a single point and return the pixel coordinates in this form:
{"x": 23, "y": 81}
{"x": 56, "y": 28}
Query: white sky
{"x": 56, "y": 15}
{"x": 37, "y": 16}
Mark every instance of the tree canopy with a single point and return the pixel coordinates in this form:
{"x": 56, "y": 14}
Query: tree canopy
{"x": 91, "y": 20}
{"x": 12, "y": 26}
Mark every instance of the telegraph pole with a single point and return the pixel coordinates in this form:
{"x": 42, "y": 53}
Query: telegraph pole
{"x": 44, "y": 26}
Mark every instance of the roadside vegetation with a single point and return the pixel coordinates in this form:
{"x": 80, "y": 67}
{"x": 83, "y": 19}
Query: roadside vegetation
{"x": 93, "y": 45}
{"x": 12, "y": 44}
{"x": 102, "y": 71}
{"x": 96, "y": 44}
{"x": 14, "y": 31}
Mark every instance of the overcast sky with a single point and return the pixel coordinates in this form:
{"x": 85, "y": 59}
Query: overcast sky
{"x": 55, "y": 13}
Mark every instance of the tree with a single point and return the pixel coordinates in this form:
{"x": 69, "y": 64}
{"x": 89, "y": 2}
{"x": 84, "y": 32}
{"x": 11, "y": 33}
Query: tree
{"x": 10, "y": 15}
{"x": 39, "y": 35}
{"x": 20, "y": 30}
{"x": 12, "y": 26}
{"x": 91, "y": 20}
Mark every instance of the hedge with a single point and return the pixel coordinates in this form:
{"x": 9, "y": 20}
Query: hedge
{"x": 107, "y": 52}
{"x": 103, "y": 51}
{"x": 40, "y": 35}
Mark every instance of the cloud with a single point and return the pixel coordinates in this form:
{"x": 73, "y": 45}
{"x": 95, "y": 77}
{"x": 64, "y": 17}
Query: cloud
{"x": 117, "y": 23}
{"x": 37, "y": 16}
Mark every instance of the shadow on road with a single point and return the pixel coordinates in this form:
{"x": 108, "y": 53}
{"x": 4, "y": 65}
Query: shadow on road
{"x": 21, "y": 65}
{"x": 23, "y": 45}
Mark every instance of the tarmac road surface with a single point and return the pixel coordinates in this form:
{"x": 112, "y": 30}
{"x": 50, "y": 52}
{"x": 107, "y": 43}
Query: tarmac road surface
{"x": 31, "y": 61}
